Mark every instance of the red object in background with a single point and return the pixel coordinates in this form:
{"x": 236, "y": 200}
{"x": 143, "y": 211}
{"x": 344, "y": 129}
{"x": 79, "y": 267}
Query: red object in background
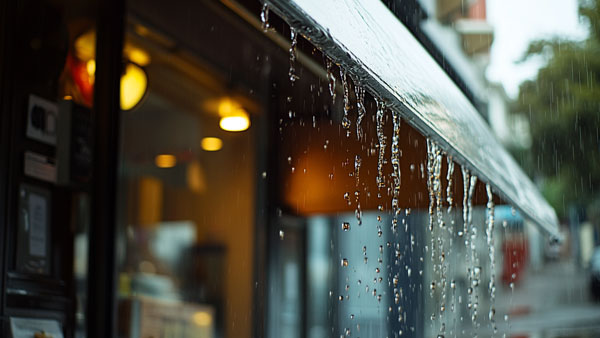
{"x": 477, "y": 10}
{"x": 514, "y": 249}
{"x": 82, "y": 79}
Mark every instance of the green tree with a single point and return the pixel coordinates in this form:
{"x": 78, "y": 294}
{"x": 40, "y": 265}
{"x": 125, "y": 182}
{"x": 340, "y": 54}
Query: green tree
{"x": 563, "y": 105}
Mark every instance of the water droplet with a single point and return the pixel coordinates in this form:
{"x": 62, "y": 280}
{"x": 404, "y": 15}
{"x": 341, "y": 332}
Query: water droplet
{"x": 347, "y": 198}
{"x": 264, "y": 17}
{"x": 281, "y": 234}
{"x": 344, "y": 262}
{"x": 264, "y": 174}
{"x": 345, "y": 226}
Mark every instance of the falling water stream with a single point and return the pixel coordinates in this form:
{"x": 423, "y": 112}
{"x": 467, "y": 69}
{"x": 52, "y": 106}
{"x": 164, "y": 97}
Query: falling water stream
{"x": 294, "y": 43}
{"x": 380, "y": 118}
{"x": 346, "y": 118}
{"x": 331, "y": 80}
{"x": 396, "y": 173}
{"x": 360, "y": 106}
{"x": 264, "y": 17}
{"x": 490, "y": 242}
{"x": 444, "y": 289}
{"x": 357, "y": 165}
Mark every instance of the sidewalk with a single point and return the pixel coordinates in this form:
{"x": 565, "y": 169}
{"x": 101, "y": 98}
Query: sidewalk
{"x": 551, "y": 302}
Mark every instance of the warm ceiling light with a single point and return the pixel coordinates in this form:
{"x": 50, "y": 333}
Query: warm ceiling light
{"x": 228, "y": 107}
{"x": 141, "y": 30}
{"x": 202, "y": 318}
{"x": 211, "y": 143}
{"x": 137, "y": 55}
{"x": 90, "y": 66}
{"x": 85, "y": 49}
{"x": 134, "y": 84}
{"x": 240, "y": 121}
{"x": 165, "y": 161}
{"x": 85, "y": 46}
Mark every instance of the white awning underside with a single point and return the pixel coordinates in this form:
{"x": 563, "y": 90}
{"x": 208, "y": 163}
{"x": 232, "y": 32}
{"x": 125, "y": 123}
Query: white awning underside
{"x": 369, "y": 42}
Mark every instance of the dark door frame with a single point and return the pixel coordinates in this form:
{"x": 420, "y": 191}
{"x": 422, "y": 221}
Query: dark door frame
{"x": 5, "y": 118}
{"x": 101, "y": 275}
{"x": 101, "y": 303}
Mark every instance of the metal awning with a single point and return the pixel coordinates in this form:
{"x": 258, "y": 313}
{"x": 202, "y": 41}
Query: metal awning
{"x": 369, "y": 42}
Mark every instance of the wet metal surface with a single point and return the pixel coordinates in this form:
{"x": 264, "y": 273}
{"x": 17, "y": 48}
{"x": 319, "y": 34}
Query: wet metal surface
{"x": 381, "y": 55}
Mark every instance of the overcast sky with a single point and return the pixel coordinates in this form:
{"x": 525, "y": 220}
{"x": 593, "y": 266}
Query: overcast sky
{"x": 516, "y": 23}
